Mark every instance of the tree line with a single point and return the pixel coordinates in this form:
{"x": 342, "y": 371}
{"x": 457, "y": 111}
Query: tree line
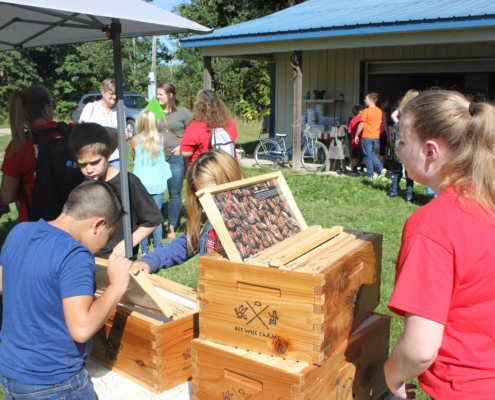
{"x": 69, "y": 71}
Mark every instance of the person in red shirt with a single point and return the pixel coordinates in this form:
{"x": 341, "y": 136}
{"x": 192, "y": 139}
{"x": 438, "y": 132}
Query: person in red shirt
{"x": 357, "y": 153}
{"x": 209, "y": 113}
{"x": 444, "y": 271}
{"x": 28, "y": 109}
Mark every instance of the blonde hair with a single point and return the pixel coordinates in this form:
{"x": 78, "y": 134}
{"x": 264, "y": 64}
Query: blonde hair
{"x": 147, "y": 126}
{"x": 108, "y": 85}
{"x": 168, "y": 88}
{"x": 210, "y": 110}
{"x": 468, "y": 130}
{"x": 25, "y": 106}
{"x": 410, "y": 94}
{"x": 215, "y": 166}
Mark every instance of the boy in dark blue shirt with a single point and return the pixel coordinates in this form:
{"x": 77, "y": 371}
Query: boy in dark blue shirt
{"x": 50, "y": 314}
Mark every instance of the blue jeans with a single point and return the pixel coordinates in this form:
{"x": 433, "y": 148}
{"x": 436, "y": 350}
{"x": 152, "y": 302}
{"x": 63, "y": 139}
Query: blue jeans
{"x": 157, "y": 233}
{"x": 77, "y": 387}
{"x": 371, "y": 159}
{"x": 396, "y": 178}
{"x": 178, "y": 166}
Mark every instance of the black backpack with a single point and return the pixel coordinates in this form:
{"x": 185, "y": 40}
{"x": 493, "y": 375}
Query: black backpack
{"x": 57, "y": 173}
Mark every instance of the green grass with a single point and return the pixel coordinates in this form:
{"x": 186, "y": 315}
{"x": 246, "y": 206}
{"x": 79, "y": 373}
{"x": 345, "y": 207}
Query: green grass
{"x": 326, "y": 200}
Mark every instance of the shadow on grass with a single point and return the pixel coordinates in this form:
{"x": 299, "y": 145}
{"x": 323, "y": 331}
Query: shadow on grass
{"x": 248, "y": 147}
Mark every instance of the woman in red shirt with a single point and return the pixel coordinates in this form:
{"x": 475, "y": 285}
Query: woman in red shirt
{"x": 209, "y": 113}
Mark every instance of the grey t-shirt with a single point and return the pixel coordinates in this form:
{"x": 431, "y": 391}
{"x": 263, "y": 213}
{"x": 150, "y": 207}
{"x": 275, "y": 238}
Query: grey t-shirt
{"x": 177, "y": 120}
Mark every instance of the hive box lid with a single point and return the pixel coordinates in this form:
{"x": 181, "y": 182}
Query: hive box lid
{"x": 241, "y": 211}
{"x": 151, "y": 292}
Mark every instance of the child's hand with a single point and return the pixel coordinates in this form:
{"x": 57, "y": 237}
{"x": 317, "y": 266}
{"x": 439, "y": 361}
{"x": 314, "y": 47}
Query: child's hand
{"x": 142, "y": 266}
{"x": 176, "y": 151}
{"x": 118, "y": 270}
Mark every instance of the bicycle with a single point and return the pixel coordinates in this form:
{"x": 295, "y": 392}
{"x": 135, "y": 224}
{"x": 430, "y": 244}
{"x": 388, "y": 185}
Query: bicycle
{"x": 314, "y": 155}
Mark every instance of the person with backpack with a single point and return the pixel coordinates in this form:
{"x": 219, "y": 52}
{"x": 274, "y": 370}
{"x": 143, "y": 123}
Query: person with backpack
{"x": 211, "y": 126}
{"x": 38, "y": 170}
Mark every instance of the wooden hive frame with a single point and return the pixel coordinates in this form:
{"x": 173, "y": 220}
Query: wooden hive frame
{"x": 279, "y": 189}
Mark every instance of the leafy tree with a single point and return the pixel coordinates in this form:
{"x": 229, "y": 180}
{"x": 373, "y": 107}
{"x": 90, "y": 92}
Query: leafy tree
{"x": 244, "y": 85}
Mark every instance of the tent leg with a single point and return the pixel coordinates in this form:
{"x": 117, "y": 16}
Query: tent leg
{"x": 119, "y": 92}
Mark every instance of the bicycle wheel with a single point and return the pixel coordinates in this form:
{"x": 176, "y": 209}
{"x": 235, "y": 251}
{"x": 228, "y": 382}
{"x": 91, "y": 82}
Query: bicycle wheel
{"x": 267, "y": 154}
{"x": 314, "y": 157}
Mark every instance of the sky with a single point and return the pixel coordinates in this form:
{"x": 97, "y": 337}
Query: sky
{"x": 167, "y": 5}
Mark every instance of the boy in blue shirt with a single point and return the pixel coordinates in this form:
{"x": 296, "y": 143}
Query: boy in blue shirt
{"x": 50, "y": 314}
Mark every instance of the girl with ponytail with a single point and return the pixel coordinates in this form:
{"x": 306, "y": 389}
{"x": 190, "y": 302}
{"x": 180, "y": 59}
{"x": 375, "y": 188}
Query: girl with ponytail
{"x": 29, "y": 109}
{"x": 445, "y": 268}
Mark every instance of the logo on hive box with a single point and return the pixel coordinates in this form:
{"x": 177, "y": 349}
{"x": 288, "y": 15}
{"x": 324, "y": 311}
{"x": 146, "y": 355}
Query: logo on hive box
{"x": 240, "y": 394}
{"x": 187, "y": 354}
{"x": 256, "y": 312}
{"x": 111, "y": 346}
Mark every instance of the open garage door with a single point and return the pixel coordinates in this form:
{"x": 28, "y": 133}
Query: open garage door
{"x": 393, "y": 78}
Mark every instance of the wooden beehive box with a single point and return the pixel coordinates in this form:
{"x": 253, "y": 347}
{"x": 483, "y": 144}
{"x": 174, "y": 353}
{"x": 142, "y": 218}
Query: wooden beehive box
{"x": 353, "y": 372}
{"x": 139, "y": 341}
{"x": 279, "y": 287}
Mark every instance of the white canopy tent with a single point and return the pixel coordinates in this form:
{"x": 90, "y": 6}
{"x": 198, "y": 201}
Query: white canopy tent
{"x": 34, "y": 23}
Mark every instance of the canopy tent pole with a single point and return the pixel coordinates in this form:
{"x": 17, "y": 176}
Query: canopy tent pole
{"x": 115, "y": 30}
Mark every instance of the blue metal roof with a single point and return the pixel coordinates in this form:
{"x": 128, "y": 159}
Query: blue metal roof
{"x": 327, "y": 18}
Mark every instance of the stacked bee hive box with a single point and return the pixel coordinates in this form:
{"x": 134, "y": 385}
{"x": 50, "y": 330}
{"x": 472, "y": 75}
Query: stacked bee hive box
{"x": 147, "y": 339}
{"x": 285, "y": 310}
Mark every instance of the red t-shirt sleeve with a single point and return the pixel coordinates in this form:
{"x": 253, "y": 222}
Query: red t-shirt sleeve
{"x": 424, "y": 279}
{"x": 23, "y": 163}
{"x": 190, "y": 139}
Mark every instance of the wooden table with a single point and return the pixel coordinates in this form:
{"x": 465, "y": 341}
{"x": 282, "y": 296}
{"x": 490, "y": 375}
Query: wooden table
{"x": 111, "y": 386}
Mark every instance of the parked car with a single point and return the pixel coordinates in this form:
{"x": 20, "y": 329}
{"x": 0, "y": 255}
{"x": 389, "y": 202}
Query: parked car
{"x": 133, "y": 104}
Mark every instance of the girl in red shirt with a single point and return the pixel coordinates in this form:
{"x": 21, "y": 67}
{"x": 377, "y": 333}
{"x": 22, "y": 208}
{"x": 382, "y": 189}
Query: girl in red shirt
{"x": 28, "y": 109}
{"x": 444, "y": 271}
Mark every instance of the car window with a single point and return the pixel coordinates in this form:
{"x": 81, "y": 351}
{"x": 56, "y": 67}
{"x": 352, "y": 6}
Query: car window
{"x": 135, "y": 101}
{"x": 88, "y": 99}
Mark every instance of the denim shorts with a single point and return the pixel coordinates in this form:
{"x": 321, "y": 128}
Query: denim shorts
{"x": 77, "y": 387}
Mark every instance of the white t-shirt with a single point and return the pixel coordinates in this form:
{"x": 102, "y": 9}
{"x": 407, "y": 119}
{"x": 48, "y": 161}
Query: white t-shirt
{"x": 93, "y": 112}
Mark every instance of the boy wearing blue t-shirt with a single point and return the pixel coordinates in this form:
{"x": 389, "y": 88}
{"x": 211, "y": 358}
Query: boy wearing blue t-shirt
{"x": 50, "y": 314}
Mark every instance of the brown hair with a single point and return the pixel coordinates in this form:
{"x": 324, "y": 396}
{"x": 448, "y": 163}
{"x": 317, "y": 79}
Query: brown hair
{"x": 216, "y": 166}
{"x": 373, "y": 96}
{"x": 468, "y": 129}
{"x": 168, "y": 88}
{"x": 89, "y": 137}
{"x": 25, "y": 106}
{"x": 210, "y": 110}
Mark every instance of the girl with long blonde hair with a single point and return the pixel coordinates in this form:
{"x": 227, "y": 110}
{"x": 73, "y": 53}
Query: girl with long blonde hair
{"x": 148, "y": 150}
{"x": 444, "y": 271}
{"x": 213, "y": 168}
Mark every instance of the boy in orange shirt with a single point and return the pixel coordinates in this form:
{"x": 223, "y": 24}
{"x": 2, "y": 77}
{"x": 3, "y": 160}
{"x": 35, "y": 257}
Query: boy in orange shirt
{"x": 368, "y": 133}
